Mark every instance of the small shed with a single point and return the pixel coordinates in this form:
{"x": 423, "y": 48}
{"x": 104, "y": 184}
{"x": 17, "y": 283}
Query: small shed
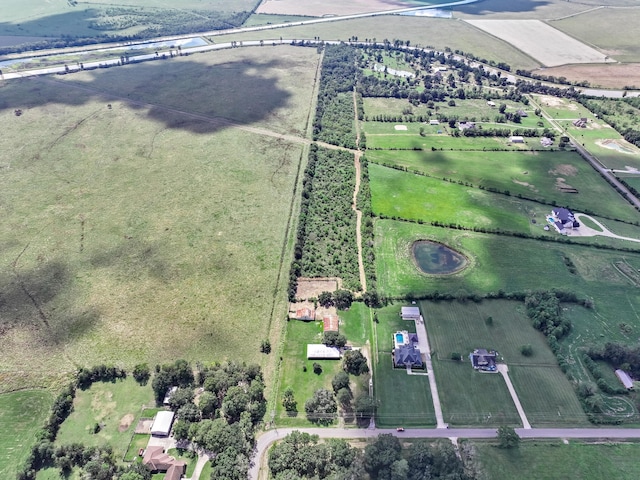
{"x": 330, "y": 323}
{"x": 162, "y": 424}
{"x": 167, "y": 396}
{"x": 434, "y": 122}
{"x": 319, "y": 351}
{"x": 491, "y": 104}
{"x": 625, "y": 379}
{"x": 305, "y": 313}
{"x": 410, "y": 313}
{"x": 516, "y": 139}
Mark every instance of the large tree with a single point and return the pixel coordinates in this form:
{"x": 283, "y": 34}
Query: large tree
{"x": 380, "y": 455}
{"x": 322, "y": 407}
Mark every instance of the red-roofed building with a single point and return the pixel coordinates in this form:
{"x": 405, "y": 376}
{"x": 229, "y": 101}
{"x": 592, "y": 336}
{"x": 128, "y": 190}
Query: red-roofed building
{"x": 330, "y": 323}
{"x": 305, "y": 314}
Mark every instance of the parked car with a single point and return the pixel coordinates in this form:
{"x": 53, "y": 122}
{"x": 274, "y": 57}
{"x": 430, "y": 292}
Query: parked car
{"x": 400, "y": 429}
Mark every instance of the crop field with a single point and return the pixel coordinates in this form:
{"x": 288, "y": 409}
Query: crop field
{"x": 611, "y": 75}
{"x": 433, "y": 32}
{"x": 413, "y": 197}
{"x": 22, "y": 414}
{"x": 133, "y": 231}
{"x": 116, "y": 406}
{"x": 553, "y": 459}
{"x": 473, "y": 398}
{"x": 293, "y": 373}
{"x": 603, "y": 28}
{"x": 496, "y": 9}
{"x": 325, "y": 8}
{"x": 537, "y": 175}
{"x": 557, "y": 48}
{"x": 414, "y": 407}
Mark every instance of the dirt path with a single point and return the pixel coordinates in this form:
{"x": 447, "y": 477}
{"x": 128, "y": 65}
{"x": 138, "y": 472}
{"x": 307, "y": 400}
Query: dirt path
{"x": 354, "y": 205}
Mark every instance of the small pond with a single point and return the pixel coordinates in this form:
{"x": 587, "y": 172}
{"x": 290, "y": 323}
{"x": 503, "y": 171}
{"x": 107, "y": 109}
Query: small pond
{"x": 437, "y": 259}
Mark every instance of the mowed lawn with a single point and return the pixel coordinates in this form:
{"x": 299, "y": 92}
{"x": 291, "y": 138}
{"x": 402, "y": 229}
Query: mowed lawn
{"x": 115, "y": 406}
{"x": 143, "y": 234}
{"x": 293, "y": 374}
{"x": 536, "y": 175}
{"x": 414, "y": 197}
{"x": 22, "y": 414}
{"x": 403, "y": 400}
{"x": 538, "y": 460}
{"x": 544, "y": 391}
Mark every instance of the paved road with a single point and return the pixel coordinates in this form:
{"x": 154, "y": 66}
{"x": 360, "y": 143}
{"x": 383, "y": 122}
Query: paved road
{"x": 271, "y": 436}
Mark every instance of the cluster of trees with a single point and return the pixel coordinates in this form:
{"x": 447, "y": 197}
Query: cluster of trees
{"x": 299, "y": 456}
{"x": 620, "y": 356}
{"x": 368, "y": 252}
{"x": 326, "y": 237}
{"x": 551, "y": 79}
{"x": 543, "y": 308}
{"x": 223, "y": 421}
{"x": 178, "y": 374}
{"x": 334, "y": 120}
{"x": 100, "y": 373}
{"x": 341, "y": 299}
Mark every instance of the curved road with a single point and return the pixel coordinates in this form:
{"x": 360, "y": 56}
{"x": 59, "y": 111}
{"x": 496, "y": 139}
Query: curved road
{"x": 271, "y": 436}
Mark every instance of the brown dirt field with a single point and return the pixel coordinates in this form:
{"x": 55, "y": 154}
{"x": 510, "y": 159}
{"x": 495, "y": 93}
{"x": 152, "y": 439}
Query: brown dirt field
{"x": 312, "y": 287}
{"x": 125, "y": 422}
{"x": 563, "y": 169}
{"x": 144, "y": 426}
{"x": 606, "y": 76}
{"x": 321, "y": 8}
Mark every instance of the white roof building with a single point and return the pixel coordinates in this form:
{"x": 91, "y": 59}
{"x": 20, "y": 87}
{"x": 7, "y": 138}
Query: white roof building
{"x": 162, "y": 424}
{"x": 410, "y": 313}
{"x": 319, "y": 351}
{"x": 625, "y": 379}
{"x": 516, "y": 139}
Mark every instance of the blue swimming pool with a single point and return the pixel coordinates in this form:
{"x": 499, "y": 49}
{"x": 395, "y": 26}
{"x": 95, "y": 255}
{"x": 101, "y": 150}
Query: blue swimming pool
{"x": 399, "y": 338}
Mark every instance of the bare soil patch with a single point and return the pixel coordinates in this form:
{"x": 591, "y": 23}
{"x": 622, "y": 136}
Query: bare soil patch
{"x": 125, "y": 422}
{"x": 605, "y": 76}
{"x": 144, "y": 426}
{"x": 564, "y": 169}
{"x": 312, "y": 287}
{"x": 525, "y": 184}
{"x": 320, "y": 8}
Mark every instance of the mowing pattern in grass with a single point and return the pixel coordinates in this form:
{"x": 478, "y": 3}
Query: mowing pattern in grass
{"x": 21, "y": 416}
{"x": 404, "y": 400}
{"x": 330, "y": 248}
{"x": 115, "y": 406}
{"x": 553, "y": 460}
{"x": 135, "y": 233}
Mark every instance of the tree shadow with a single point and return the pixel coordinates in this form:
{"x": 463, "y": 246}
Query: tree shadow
{"x": 180, "y": 93}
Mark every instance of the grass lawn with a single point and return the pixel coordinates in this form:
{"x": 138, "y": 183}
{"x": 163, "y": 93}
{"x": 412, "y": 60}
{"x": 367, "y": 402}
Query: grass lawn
{"x": 206, "y": 471}
{"x": 138, "y": 441}
{"x": 473, "y": 398}
{"x": 116, "y": 406}
{"x": 413, "y": 197}
{"x": 536, "y": 460}
{"x": 22, "y": 414}
{"x": 536, "y": 175}
{"x": 304, "y": 384}
{"x": 404, "y": 400}
{"x": 498, "y": 262}
{"x": 139, "y": 231}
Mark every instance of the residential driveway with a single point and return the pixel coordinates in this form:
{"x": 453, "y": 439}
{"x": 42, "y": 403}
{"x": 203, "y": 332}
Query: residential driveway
{"x": 504, "y": 371}
{"x": 166, "y": 442}
{"x": 423, "y": 344}
{"x": 584, "y": 231}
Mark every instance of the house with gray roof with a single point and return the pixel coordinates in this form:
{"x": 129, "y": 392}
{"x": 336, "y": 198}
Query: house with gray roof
{"x": 484, "y": 360}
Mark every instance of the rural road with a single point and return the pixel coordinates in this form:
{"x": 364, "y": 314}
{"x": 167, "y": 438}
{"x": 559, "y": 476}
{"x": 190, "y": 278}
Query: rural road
{"x": 271, "y": 436}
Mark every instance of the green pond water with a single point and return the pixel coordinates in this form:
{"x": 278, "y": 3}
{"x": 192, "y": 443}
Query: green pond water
{"x": 435, "y": 258}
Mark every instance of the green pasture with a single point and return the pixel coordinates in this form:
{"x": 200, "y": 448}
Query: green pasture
{"x": 116, "y": 406}
{"x": 550, "y": 460}
{"x": 141, "y": 232}
{"x": 292, "y": 374}
{"x": 138, "y": 441}
{"x": 498, "y": 262}
{"x": 404, "y": 400}
{"x": 535, "y": 175}
{"x": 355, "y": 323}
{"x": 604, "y": 29}
{"x": 594, "y": 138}
{"x": 469, "y": 397}
{"x": 437, "y": 33}
{"x": 22, "y": 414}
{"x": 390, "y": 106}
{"x": 92, "y": 18}
{"x": 506, "y": 9}
{"x": 258, "y": 19}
